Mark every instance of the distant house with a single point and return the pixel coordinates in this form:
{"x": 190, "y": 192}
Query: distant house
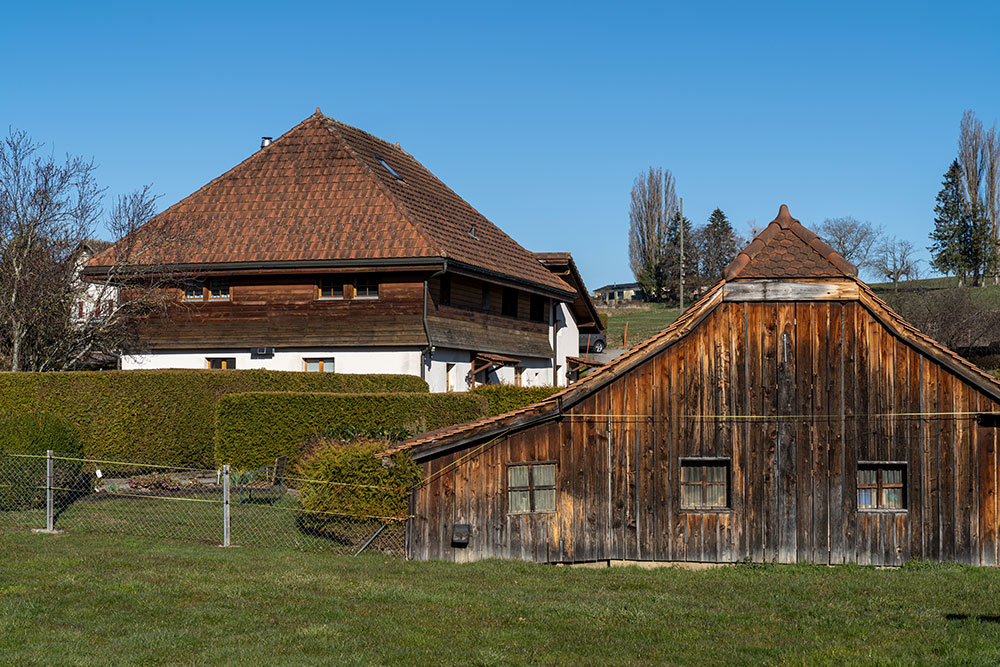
{"x": 331, "y": 250}
{"x": 619, "y": 293}
{"x": 789, "y": 415}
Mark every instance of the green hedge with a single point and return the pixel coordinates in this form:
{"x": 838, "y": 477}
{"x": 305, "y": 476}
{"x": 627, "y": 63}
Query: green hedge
{"x": 363, "y": 486}
{"x": 22, "y": 480}
{"x": 253, "y": 429}
{"x": 163, "y": 416}
{"x": 504, "y": 397}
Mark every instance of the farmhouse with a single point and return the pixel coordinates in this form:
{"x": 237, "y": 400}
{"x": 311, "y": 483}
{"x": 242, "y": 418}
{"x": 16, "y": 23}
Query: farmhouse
{"x": 330, "y": 249}
{"x": 789, "y": 415}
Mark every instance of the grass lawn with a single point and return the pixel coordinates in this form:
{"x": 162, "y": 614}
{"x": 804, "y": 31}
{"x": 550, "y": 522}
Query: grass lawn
{"x": 643, "y": 323}
{"x": 82, "y": 598}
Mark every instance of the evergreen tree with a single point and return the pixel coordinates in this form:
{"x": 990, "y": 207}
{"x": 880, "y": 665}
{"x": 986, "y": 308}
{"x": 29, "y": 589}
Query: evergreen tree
{"x": 672, "y": 256}
{"x": 961, "y": 239}
{"x": 718, "y": 245}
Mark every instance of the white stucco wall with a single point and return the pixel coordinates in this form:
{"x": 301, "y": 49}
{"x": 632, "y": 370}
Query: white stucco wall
{"x": 404, "y": 361}
{"x": 567, "y": 339}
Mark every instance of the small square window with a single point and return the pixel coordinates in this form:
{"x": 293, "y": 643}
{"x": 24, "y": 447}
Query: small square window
{"x": 221, "y": 363}
{"x": 881, "y": 486}
{"x": 531, "y": 487}
{"x": 704, "y": 484}
{"x": 218, "y": 289}
{"x": 319, "y": 365}
{"x": 366, "y": 287}
{"x": 331, "y": 288}
{"x": 194, "y": 292}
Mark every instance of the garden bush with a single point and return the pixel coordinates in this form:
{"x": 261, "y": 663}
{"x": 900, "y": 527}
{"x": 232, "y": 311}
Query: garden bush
{"x": 504, "y": 397}
{"x": 340, "y": 484}
{"x": 22, "y": 479}
{"x": 253, "y": 429}
{"x": 163, "y": 416}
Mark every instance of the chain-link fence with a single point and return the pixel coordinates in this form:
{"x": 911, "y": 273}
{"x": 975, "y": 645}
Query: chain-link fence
{"x": 224, "y": 507}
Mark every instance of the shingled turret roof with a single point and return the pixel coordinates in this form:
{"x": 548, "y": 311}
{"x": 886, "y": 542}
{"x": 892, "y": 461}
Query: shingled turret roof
{"x": 786, "y": 249}
{"x": 328, "y": 192}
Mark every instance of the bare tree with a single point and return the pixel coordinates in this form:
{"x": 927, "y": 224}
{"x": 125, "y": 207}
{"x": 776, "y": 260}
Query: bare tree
{"x": 973, "y": 157}
{"x": 49, "y": 318}
{"x": 653, "y": 206}
{"x": 991, "y": 196}
{"x": 896, "y": 259}
{"x": 853, "y": 239}
{"x": 753, "y": 229}
{"x": 950, "y": 316}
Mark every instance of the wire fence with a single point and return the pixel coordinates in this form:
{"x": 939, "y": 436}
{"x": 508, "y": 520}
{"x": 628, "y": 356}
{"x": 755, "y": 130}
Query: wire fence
{"x": 222, "y": 507}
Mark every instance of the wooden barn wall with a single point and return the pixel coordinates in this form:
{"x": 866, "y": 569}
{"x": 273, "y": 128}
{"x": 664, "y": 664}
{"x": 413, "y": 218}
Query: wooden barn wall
{"x": 794, "y": 394}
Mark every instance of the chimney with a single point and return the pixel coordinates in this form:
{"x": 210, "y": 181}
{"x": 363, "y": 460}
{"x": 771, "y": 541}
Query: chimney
{"x": 265, "y": 142}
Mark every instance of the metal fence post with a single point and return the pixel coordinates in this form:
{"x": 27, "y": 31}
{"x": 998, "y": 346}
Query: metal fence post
{"x": 225, "y": 505}
{"x": 49, "y": 495}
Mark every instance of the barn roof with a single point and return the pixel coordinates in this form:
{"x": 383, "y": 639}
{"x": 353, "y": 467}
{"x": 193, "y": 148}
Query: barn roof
{"x": 786, "y": 249}
{"x": 451, "y": 437}
{"x": 328, "y": 192}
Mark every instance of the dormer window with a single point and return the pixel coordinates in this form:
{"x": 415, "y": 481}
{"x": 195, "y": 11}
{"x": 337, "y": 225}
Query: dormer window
{"x": 389, "y": 169}
{"x": 218, "y": 289}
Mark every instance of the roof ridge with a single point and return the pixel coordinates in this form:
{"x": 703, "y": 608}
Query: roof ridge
{"x": 385, "y": 189}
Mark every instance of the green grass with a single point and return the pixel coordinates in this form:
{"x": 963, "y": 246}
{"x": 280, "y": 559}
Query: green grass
{"x": 81, "y": 599}
{"x": 987, "y": 295}
{"x": 643, "y": 323}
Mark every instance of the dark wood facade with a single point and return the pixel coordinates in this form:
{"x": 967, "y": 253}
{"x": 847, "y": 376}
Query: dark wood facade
{"x": 286, "y": 310}
{"x": 791, "y": 393}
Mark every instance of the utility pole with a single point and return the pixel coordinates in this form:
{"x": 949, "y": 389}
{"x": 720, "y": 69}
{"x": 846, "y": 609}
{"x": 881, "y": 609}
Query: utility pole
{"x": 681, "y": 221}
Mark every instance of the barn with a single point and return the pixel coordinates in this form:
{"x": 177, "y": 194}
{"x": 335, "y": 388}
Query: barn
{"x": 788, "y": 416}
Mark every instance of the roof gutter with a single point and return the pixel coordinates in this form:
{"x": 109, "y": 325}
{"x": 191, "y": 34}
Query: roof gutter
{"x": 209, "y": 267}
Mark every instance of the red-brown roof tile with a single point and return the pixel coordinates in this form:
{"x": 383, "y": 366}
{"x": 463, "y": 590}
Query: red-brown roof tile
{"x": 321, "y": 192}
{"x": 786, "y": 249}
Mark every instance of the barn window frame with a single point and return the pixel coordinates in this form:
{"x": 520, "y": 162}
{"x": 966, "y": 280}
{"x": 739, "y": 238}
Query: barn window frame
{"x": 880, "y": 486}
{"x": 703, "y": 463}
{"x": 532, "y": 487}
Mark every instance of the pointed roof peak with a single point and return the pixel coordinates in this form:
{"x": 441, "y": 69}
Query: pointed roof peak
{"x": 786, "y": 249}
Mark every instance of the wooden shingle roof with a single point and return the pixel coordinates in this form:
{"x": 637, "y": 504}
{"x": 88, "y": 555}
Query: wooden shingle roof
{"x": 325, "y": 191}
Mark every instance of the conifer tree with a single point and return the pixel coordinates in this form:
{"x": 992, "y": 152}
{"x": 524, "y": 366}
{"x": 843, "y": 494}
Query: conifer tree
{"x": 717, "y": 247}
{"x": 961, "y": 240}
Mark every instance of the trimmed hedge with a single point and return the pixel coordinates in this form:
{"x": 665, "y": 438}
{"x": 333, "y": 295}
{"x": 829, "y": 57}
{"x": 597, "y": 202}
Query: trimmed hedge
{"x": 363, "y": 486}
{"x": 253, "y": 429}
{"x": 22, "y": 480}
{"x": 163, "y": 416}
{"x": 504, "y": 397}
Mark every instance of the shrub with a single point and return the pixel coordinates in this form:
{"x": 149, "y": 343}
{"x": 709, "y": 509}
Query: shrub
{"x": 22, "y": 479}
{"x": 163, "y": 416}
{"x": 504, "y": 397}
{"x": 340, "y": 483}
{"x": 253, "y": 429}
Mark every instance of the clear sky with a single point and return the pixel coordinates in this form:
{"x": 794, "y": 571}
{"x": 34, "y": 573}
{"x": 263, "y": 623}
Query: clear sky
{"x": 539, "y": 115}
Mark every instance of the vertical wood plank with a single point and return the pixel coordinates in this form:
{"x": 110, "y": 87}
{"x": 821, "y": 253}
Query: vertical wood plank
{"x": 785, "y": 446}
{"x": 836, "y": 430}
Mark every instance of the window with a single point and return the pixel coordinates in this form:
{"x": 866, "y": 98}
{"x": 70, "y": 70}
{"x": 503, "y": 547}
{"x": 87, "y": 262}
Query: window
{"x": 193, "y": 292}
{"x": 218, "y": 289}
{"x": 389, "y": 169}
{"x": 881, "y": 486}
{"x": 449, "y": 370}
{"x": 536, "y": 311}
{"x": 221, "y": 363}
{"x": 445, "y": 296}
{"x": 366, "y": 287}
{"x": 487, "y": 298}
{"x": 318, "y": 365}
{"x": 531, "y": 487}
{"x": 331, "y": 288}
{"x": 704, "y": 484}
{"x": 508, "y": 305}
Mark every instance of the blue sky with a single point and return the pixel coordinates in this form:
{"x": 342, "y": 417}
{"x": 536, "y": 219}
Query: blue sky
{"x": 539, "y": 115}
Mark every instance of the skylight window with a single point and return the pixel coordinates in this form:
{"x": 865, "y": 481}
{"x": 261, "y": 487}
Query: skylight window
{"x": 389, "y": 169}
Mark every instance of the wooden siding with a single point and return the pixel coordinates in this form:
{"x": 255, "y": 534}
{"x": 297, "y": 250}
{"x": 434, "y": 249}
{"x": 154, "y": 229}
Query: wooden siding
{"x": 794, "y": 395}
{"x": 284, "y": 311}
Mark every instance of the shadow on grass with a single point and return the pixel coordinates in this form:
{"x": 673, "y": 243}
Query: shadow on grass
{"x": 985, "y": 618}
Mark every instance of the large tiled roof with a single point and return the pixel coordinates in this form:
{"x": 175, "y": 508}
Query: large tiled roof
{"x": 786, "y": 249}
{"x": 328, "y": 191}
